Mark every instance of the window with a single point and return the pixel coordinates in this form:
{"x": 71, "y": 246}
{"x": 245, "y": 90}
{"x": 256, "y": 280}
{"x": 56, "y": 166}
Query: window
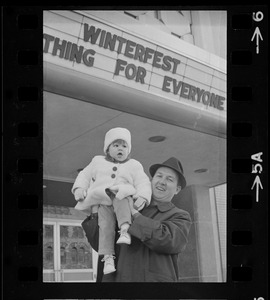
{"x": 134, "y": 13}
{"x": 63, "y": 255}
{"x": 81, "y": 255}
{"x": 48, "y": 256}
{"x": 74, "y": 255}
{"x": 67, "y": 255}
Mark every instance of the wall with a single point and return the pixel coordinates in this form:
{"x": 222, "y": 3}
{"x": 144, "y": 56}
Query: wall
{"x": 203, "y": 29}
{"x": 198, "y": 263}
{"x": 58, "y": 193}
{"x": 209, "y": 31}
{"x": 221, "y": 209}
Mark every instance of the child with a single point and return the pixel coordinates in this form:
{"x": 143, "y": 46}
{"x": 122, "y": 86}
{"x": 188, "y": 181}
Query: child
{"x": 107, "y": 182}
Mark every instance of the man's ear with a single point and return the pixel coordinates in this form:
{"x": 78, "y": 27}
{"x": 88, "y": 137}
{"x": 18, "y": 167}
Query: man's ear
{"x": 178, "y": 189}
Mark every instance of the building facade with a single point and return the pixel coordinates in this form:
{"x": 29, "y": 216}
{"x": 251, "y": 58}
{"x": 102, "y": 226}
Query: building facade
{"x": 162, "y": 75}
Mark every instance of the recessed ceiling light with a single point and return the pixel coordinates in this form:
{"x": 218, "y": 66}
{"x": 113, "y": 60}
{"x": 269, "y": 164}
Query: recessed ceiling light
{"x": 157, "y": 138}
{"x": 200, "y": 170}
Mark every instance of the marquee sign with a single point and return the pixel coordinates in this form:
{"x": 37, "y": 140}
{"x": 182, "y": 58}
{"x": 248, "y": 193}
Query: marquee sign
{"x": 133, "y": 51}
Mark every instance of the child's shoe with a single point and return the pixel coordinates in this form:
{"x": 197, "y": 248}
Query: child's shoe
{"x": 124, "y": 238}
{"x": 108, "y": 264}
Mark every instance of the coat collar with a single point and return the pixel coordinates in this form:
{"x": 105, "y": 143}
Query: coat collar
{"x": 164, "y": 206}
{"x": 111, "y": 159}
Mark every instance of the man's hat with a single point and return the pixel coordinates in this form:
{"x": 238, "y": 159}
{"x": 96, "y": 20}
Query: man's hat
{"x": 172, "y": 163}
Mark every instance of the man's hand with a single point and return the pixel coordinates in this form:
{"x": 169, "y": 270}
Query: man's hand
{"x": 139, "y": 203}
{"x": 80, "y": 194}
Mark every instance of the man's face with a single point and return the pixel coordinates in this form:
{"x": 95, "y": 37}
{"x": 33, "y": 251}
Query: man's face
{"x": 165, "y": 184}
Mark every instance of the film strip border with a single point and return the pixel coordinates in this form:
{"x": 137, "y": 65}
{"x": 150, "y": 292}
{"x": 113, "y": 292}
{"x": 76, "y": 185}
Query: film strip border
{"x": 247, "y": 164}
{"x": 247, "y": 149}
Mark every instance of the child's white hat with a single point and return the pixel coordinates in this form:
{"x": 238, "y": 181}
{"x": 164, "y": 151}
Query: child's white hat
{"x": 117, "y": 133}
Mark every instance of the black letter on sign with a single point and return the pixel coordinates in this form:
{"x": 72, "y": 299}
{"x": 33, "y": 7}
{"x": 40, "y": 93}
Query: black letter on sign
{"x": 90, "y": 60}
{"x": 119, "y": 66}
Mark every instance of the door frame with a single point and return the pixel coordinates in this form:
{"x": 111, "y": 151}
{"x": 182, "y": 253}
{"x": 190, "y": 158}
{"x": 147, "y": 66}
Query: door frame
{"x": 59, "y": 273}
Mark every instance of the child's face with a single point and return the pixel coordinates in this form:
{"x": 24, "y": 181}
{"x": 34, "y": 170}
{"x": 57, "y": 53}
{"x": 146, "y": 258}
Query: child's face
{"x": 118, "y": 150}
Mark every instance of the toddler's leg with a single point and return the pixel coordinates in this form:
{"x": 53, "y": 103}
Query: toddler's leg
{"x": 106, "y": 222}
{"x": 123, "y": 215}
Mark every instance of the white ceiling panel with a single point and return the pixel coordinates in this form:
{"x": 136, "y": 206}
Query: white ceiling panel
{"x": 74, "y": 132}
{"x": 66, "y": 119}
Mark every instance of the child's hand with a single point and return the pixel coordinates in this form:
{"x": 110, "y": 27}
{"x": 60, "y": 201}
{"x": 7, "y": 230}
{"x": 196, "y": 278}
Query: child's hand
{"x": 94, "y": 209}
{"x": 80, "y": 194}
{"x": 139, "y": 203}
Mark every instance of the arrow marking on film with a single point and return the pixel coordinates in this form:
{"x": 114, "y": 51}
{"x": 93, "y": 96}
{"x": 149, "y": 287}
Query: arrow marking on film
{"x": 258, "y": 36}
{"x": 258, "y": 184}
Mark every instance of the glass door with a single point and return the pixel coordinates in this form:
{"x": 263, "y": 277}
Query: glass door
{"x": 49, "y": 257}
{"x": 67, "y": 255}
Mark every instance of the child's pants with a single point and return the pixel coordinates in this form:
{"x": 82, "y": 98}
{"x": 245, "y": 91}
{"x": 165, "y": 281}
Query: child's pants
{"x": 107, "y": 220}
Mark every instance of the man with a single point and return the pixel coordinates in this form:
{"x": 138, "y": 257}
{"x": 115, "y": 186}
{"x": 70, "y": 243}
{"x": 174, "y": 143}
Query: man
{"x": 159, "y": 232}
